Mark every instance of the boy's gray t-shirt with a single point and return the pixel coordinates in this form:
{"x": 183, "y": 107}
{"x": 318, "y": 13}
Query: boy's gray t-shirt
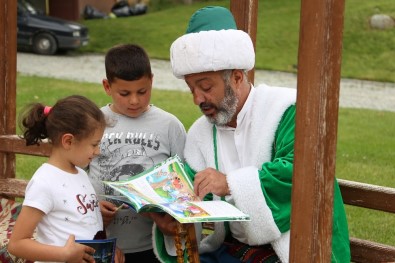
{"x": 130, "y": 146}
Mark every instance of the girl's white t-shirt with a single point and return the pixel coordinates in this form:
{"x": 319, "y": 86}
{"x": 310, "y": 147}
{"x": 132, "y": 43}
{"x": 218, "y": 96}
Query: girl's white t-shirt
{"x": 69, "y": 202}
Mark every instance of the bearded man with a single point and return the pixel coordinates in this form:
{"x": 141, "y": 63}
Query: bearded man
{"x": 241, "y": 150}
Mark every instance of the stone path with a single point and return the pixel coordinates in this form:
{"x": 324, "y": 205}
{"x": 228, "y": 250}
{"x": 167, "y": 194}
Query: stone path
{"x": 90, "y": 68}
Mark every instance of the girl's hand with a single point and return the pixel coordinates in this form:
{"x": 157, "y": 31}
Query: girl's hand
{"x": 78, "y": 253}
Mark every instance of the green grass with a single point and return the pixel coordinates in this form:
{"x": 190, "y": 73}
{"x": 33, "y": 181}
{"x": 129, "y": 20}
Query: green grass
{"x": 364, "y": 151}
{"x": 365, "y": 148}
{"x": 367, "y": 53}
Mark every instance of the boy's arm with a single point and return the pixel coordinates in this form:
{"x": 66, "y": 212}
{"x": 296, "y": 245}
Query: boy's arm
{"x": 177, "y": 139}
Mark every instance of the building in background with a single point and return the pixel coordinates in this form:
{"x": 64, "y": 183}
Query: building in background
{"x": 72, "y": 9}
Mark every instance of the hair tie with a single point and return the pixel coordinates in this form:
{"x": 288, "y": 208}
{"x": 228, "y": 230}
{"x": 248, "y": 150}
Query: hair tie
{"x": 47, "y": 109}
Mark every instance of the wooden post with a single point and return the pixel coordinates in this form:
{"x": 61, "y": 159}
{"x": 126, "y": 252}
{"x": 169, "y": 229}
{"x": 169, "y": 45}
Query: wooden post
{"x": 8, "y": 28}
{"x": 186, "y": 232}
{"x": 319, "y": 63}
{"x": 245, "y": 13}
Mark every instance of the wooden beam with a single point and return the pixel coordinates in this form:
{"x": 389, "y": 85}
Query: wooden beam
{"x": 11, "y": 187}
{"x": 364, "y": 251}
{"x": 8, "y": 30}
{"x": 245, "y": 13}
{"x": 368, "y": 196}
{"x": 319, "y": 61}
{"x": 14, "y": 144}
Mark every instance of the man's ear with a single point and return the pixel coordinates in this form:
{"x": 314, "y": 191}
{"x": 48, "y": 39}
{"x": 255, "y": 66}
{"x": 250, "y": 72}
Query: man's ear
{"x": 67, "y": 140}
{"x": 238, "y": 76}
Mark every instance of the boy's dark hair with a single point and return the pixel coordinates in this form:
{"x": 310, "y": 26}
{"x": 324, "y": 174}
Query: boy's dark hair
{"x": 75, "y": 114}
{"x": 127, "y": 62}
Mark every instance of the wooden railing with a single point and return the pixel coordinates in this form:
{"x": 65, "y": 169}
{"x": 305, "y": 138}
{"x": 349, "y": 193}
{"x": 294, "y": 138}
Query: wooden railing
{"x": 11, "y": 187}
{"x": 370, "y": 197}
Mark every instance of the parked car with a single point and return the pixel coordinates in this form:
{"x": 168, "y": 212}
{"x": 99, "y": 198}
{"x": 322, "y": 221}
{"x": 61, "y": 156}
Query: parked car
{"x": 45, "y": 34}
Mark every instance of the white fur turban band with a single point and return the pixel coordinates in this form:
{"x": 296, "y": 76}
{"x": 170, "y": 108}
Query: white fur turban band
{"x": 211, "y": 43}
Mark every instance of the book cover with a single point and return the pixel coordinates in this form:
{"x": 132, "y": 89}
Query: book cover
{"x": 104, "y": 249}
{"x": 166, "y": 187}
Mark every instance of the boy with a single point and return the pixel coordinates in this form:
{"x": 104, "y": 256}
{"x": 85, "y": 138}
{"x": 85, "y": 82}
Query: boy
{"x": 139, "y": 136}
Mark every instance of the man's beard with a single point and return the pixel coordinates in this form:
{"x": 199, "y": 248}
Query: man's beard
{"x": 225, "y": 110}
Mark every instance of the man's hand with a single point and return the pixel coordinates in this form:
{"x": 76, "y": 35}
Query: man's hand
{"x": 166, "y": 224}
{"x": 108, "y": 211}
{"x": 210, "y": 181}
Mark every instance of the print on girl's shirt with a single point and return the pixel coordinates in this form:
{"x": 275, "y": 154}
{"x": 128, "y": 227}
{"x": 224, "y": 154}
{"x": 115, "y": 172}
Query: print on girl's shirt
{"x": 87, "y": 203}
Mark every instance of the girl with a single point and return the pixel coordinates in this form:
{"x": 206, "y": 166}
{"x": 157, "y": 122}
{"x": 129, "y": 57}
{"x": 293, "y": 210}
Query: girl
{"x": 60, "y": 200}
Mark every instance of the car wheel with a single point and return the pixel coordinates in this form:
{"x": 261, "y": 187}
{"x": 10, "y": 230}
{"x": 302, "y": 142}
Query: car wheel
{"x": 44, "y": 44}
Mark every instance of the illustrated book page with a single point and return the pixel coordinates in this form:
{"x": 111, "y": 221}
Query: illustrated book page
{"x": 166, "y": 187}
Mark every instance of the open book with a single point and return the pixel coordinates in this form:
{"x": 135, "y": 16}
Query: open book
{"x": 166, "y": 187}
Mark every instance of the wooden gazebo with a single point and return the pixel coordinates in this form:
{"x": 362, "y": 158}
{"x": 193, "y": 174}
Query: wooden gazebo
{"x": 319, "y": 63}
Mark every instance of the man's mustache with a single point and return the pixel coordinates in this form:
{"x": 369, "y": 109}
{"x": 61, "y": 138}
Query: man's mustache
{"x": 206, "y": 106}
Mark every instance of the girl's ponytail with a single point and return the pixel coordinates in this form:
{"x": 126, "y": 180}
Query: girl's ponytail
{"x": 33, "y": 123}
